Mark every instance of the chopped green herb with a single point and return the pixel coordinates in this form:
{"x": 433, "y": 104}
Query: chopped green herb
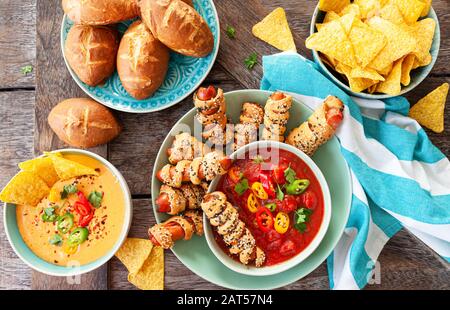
{"x": 67, "y": 190}
{"x": 279, "y": 192}
{"x": 55, "y": 240}
{"x": 95, "y": 198}
{"x": 241, "y": 187}
{"x": 231, "y": 32}
{"x": 290, "y": 174}
{"x": 49, "y": 215}
{"x": 258, "y": 159}
{"x": 27, "y": 69}
{"x": 251, "y": 60}
{"x": 301, "y": 217}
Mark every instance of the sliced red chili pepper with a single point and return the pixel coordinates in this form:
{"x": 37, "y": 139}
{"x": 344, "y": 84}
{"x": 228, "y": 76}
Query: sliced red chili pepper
{"x": 267, "y": 185}
{"x": 85, "y": 220}
{"x": 264, "y": 218}
{"x": 81, "y": 209}
{"x": 84, "y": 208}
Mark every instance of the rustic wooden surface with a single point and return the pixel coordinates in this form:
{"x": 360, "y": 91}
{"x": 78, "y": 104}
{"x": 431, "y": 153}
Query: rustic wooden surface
{"x": 29, "y": 34}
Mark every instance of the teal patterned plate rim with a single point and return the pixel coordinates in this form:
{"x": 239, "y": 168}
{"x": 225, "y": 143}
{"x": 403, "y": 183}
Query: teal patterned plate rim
{"x": 196, "y": 255}
{"x": 185, "y": 74}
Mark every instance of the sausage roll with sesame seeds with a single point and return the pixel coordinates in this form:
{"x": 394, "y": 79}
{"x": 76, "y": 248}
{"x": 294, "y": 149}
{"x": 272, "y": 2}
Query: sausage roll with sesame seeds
{"x": 186, "y": 147}
{"x": 276, "y": 116}
{"x": 174, "y": 201}
{"x": 319, "y": 128}
{"x": 247, "y": 130}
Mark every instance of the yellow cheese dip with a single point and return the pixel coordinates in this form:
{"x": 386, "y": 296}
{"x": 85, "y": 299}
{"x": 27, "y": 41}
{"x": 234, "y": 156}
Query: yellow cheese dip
{"x": 104, "y": 228}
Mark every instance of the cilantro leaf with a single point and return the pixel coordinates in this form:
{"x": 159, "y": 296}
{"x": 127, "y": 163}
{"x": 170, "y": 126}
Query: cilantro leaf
{"x": 258, "y": 159}
{"x": 241, "y": 187}
{"x": 26, "y": 69}
{"x": 231, "y": 32}
{"x": 251, "y": 60}
{"x": 290, "y": 175}
{"x": 55, "y": 240}
{"x": 95, "y": 198}
{"x": 279, "y": 192}
{"x": 67, "y": 190}
{"x": 301, "y": 217}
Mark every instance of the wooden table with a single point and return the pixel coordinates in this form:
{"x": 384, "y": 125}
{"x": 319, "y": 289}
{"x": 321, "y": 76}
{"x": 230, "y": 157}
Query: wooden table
{"x": 29, "y": 34}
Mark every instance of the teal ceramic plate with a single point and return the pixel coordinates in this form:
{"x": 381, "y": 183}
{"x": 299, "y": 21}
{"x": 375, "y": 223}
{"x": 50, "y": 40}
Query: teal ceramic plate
{"x": 195, "y": 253}
{"x": 417, "y": 75}
{"x": 185, "y": 74}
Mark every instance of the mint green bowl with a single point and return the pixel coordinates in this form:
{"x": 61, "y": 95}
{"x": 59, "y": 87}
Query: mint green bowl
{"x": 37, "y": 263}
{"x": 417, "y": 75}
{"x": 196, "y": 255}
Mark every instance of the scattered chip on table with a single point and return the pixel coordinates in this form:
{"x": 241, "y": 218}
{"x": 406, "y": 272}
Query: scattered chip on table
{"x": 429, "y": 111}
{"x": 134, "y": 252}
{"x": 25, "y": 188}
{"x": 151, "y": 275}
{"x": 274, "y": 29}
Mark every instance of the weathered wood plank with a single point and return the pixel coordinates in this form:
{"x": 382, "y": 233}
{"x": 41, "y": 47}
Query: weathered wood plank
{"x": 17, "y": 42}
{"x": 53, "y": 84}
{"x": 16, "y": 141}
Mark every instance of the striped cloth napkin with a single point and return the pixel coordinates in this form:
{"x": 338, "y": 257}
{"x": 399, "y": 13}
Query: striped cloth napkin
{"x": 400, "y": 179}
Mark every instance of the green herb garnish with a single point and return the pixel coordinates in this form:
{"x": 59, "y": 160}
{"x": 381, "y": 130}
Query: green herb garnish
{"x": 251, "y": 60}
{"x": 231, "y": 32}
{"x": 241, "y": 187}
{"x": 279, "y": 192}
{"x": 95, "y": 198}
{"x": 258, "y": 159}
{"x": 67, "y": 190}
{"x": 301, "y": 217}
{"x": 49, "y": 215}
{"x": 27, "y": 69}
{"x": 290, "y": 175}
{"x": 55, "y": 240}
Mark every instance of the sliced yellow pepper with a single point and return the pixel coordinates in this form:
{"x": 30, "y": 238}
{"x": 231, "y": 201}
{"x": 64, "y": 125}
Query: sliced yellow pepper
{"x": 54, "y": 195}
{"x": 259, "y": 191}
{"x": 282, "y": 222}
{"x": 70, "y": 249}
{"x": 252, "y": 203}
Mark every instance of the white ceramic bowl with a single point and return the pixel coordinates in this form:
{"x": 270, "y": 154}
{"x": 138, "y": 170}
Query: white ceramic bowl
{"x": 35, "y": 262}
{"x": 270, "y": 270}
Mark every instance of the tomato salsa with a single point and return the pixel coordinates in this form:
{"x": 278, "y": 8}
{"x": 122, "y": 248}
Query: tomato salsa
{"x": 278, "y": 198}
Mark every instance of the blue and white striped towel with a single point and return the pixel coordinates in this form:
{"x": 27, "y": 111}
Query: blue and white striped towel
{"x": 400, "y": 179}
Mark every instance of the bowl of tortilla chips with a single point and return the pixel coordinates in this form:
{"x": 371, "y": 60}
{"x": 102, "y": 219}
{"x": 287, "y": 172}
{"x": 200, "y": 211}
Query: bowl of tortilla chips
{"x": 375, "y": 49}
{"x": 66, "y": 212}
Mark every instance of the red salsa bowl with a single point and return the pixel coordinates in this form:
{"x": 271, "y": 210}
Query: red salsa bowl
{"x": 283, "y": 199}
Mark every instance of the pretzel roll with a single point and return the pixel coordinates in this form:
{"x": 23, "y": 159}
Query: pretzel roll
{"x": 100, "y": 12}
{"x": 179, "y": 26}
{"x": 91, "y": 52}
{"x": 142, "y": 61}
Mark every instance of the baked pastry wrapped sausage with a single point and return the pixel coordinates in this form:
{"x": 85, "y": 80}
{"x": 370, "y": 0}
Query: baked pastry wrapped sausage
{"x": 276, "y": 116}
{"x": 186, "y": 147}
{"x": 175, "y": 228}
{"x": 225, "y": 218}
{"x": 178, "y": 26}
{"x": 247, "y": 130}
{"x": 195, "y": 171}
{"x": 142, "y": 61}
{"x": 176, "y": 200}
{"x": 319, "y": 128}
{"x": 211, "y": 114}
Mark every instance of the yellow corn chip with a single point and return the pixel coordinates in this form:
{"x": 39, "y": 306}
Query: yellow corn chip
{"x": 406, "y": 69}
{"x": 429, "y": 111}
{"x": 399, "y": 43}
{"x": 368, "y": 8}
{"x": 43, "y": 167}
{"x": 367, "y": 42}
{"x": 366, "y": 73}
{"x": 351, "y": 8}
{"x": 333, "y": 41}
{"x": 356, "y": 84}
{"x": 372, "y": 89}
{"x": 330, "y": 16}
{"x": 274, "y": 29}
{"x": 67, "y": 169}
{"x": 333, "y": 5}
{"x": 151, "y": 275}
{"x": 391, "y": 13}
{"x": 328, "y": 60}
{"x": 410, "y": 9}
{"x": 347, "y": 22}
{"x": 25, "y": 188}
{"x": 391, "y": 85}
{"x": 423, "y": 31}
{"x": 426, "y": 9}
{"x": 134, "y": 252}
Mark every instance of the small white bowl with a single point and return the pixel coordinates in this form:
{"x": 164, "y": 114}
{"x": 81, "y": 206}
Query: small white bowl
{"x": 278, "y": 268}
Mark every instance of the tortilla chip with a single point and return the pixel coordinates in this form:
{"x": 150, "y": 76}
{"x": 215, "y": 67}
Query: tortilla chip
{"x": 274, "y": 29}
{"x": 385, "y": 72}
{"x": 372, "y": 89}
{"x": 330, "y": 16}
{"x": 43, "y": 167}
{"x": 151, "y": 275}
{"x": 392, "y": 13}
{"x": 391, "y": 85}
{"x": 333, "y": 5}
{"x": 332, "y": 40}
{"x": 25, "y": 188}
{"x": 351, "y": 8}
{"x": 328, "y": 60}
{"x": 367, "y": 42}
{"x": 429, "y": 111}
{"x": 67, "y": 169}
{"x": 134, "y": 252}
{"x": 426, "y": 9}
{"x": 347, "y": 22}
{"x": 410, "y": 9}
{"x": 399, "y": 43}
{"x": 368, "y": 8}
{"x": 356, "y": 84}
{"x": 423, "y": 31}
{"x": 366, "y": 73}
{"x": 407, "y": 64}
